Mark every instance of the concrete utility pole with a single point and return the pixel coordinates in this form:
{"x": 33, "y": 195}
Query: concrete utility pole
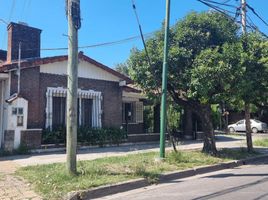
{"x": 243, "y": 16}
{"x": 163, "y": 123}
{"x": 74, "y": 23}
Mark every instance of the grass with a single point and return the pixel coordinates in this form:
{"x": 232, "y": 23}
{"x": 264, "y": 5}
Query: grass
{"x": 52, "y": 181}
{"x": 261, "y": 142}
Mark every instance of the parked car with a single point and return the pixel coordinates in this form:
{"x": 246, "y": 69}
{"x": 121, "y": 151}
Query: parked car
{"x": 256, "y": 126}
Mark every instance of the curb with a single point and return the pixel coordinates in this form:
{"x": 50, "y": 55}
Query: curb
{"x": 141, "y": 182}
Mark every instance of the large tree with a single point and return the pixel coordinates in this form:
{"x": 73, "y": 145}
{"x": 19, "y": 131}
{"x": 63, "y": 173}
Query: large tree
{"x": 196, "y": 33}
{"x": 242, "y": 73}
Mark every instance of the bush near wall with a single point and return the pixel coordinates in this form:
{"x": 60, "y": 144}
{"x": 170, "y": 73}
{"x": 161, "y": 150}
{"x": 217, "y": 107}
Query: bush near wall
{"x": 86, "y": 135}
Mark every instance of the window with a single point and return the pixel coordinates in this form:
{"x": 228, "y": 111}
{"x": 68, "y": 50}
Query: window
{"x": 128, "y": 114}
{"x": 86, "y": 112}
{"x": 139, "y": 112}
{"x": 132, "y": 112}
{"x": 58, "y": 112}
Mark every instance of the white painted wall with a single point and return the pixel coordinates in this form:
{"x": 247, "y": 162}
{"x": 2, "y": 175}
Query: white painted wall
{"x": 4, "y": 94}
{"x": 85, "y": 70}
{"x": 12, "y": 119}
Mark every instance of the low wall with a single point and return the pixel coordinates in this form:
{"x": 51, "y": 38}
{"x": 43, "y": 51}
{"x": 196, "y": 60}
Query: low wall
{"x": 31, "y": 138}
{"x": 9, "y": 137}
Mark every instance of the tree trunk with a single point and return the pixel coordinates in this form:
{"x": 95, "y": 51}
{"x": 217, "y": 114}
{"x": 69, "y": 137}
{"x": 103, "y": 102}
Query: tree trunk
{"x": 209, "y": 137}
{"x": 188, "y": 121}
{"x": 248, "y": 127}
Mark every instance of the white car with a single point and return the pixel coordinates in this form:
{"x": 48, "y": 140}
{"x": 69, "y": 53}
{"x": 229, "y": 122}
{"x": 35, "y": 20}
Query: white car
{"x": 256, "y": 126}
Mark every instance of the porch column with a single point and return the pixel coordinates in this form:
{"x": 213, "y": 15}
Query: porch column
{"x": 49, "y": 110}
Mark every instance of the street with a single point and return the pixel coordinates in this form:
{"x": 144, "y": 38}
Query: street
{"x": 245, "y": 182}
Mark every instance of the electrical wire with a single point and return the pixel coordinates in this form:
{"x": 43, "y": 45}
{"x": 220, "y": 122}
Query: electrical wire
{"x": 250, "y": 25}
{"x": 255, "y": 13}
{"x": 147, "y": 35}
{"x": 218, "y": 3}
{"x": 156, "y": 82}
{"x": 219, "y": 9}
{"x": 141, "y": 33}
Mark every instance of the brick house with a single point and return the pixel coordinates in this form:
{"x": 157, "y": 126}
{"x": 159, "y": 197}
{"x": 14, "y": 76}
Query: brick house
{"x": 37, "y": 100}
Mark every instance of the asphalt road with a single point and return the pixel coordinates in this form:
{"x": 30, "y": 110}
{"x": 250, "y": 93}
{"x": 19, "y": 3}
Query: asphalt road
{"x": 245, "y": 182}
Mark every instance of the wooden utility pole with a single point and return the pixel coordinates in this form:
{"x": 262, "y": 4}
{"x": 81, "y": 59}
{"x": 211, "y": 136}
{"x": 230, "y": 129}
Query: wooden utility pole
{"x": 246, "y": 103}
{"x": 74, "y": 23}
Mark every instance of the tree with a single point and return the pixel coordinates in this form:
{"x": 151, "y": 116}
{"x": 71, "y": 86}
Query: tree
{"x": 252, "y": 85}
{"x": 189, "y": 37}
{"x": 122, "y": 68}
{"x": 242, "y": 72}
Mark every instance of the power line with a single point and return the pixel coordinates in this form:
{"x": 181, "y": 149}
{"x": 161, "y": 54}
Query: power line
{"x": 99, "y": 44}
{"x": 223, "y": 11}
{"x": 223, "y": 4}
{"x": 141, "y": 34}
{"x": 255, "y": 13}
{"x": 217, "y": 8}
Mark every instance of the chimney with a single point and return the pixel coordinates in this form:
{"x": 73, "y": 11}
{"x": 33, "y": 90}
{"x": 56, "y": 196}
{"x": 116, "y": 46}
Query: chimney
{"x": 29, "y": 38}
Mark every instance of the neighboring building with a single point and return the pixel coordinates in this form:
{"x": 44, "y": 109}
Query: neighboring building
{"x": 104, "y": 100}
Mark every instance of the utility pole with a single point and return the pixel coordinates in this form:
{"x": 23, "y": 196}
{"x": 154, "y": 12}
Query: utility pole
{"x": 164, "y": 85}
{"x": 246, "y": 103}
{"x": 74, "y": 23}
{"x": 244, "y": 16}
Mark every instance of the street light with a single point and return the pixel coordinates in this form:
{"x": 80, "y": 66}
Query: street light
{"x": 164, "y": 85}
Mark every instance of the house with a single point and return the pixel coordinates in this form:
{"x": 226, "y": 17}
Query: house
{"x": 33, "y": 97}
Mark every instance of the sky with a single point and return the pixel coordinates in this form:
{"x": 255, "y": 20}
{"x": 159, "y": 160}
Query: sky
{"x": 103, "y": 21}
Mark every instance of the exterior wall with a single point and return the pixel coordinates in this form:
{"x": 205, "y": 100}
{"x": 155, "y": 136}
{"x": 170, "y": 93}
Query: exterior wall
{"x": 13, "y": 119}
{"x": 111, "y": 93}
{"x": 30, "y": 83}
{"x": 134, "y": 128}
{"x": 31, "y": 138}
{"x": 4, "y": 94}
{"x": 34, "y": 86}
{"x": 29, "y": 38}
{"x": 86, "y": 70}
{"x": 9, "y": 140}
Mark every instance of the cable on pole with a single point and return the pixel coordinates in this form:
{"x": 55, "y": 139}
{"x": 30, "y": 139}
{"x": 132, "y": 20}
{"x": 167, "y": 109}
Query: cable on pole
{"x": 141, "y": 33}
{"x": 145, "y": 47}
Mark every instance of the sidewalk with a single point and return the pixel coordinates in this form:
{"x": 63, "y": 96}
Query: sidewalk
{"x": 93, "y": 153}
{"x": 12, "y": 187}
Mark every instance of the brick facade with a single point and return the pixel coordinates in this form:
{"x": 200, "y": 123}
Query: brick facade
{"x": 31, "y": 138}
{"x": 34, "y": 86}
{"x": 29, "y": 38}
{"x": 30, "y": 79}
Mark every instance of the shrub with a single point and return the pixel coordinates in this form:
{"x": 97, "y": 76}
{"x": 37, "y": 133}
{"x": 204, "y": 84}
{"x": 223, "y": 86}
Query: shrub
{"x": 86, "y": 135}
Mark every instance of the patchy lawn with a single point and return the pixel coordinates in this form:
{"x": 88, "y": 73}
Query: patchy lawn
{"x": 261, "y": 142}
{"x": 53, "y": 182}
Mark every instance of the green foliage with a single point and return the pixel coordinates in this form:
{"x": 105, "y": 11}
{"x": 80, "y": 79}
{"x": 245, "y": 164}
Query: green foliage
{"x": 122, "y": 68}
{"x": 173, "y": 117}
{"x": 148, "y": 118}
{"x": 86, "y": 135}
{"x": 21, "y": 150}
{"x": 189, "y": 37}
{"x": 261, "y": 142}
{"x": 57, "y": 136}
